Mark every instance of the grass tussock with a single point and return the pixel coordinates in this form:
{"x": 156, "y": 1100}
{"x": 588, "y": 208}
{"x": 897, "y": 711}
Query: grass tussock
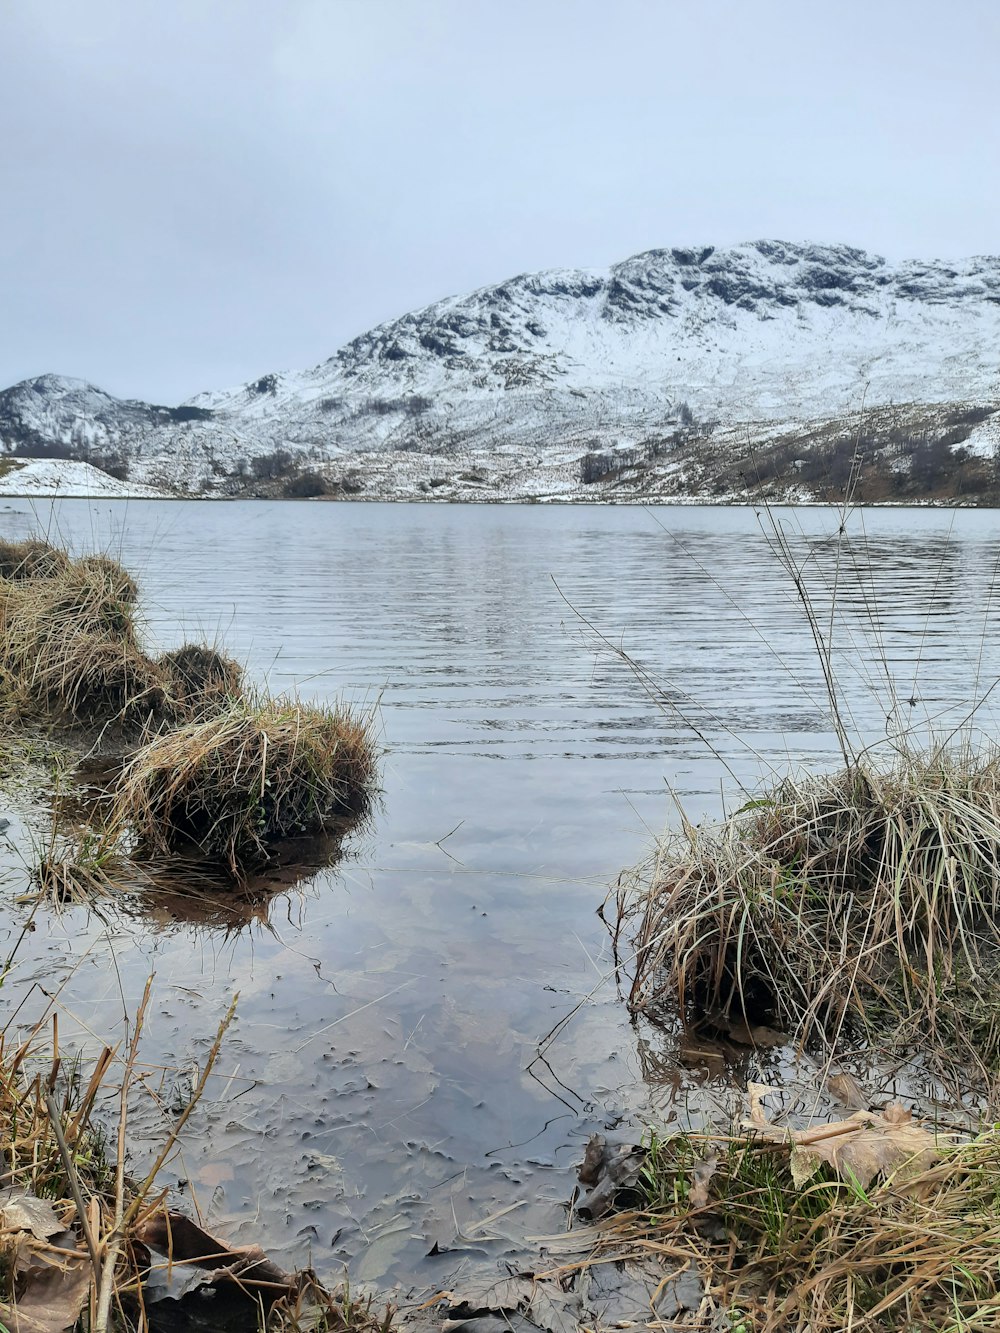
{"x": 33, "y": 559}
{"x": 779, "y": 1255}
{"x": 84, "y": 869}
{"x": 117, "y": 581}
{"x": 71, "y": 646}
{"x": 255, "y": 773}
{"x": 69, "y": 643}
{"x": 217, "y": 774}
{"x": 200, "y": 679}
{"x": 860, "y": 899}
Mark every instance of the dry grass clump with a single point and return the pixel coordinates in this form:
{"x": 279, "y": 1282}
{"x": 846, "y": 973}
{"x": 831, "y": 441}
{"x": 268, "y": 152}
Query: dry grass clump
{"x": 70, "y": 645}
{"x": 201, "y": 680}
{"x": 915, "y": 1250}
{"x": 257, "y": 772}
{"x": 118, "y": 582}
{"x": 33, "y": 559}
{"x": 860, "y": 898}
{"x": 218, "y": 774}
{"x": 69, "y": 641}
{"x": 84, "y": 869}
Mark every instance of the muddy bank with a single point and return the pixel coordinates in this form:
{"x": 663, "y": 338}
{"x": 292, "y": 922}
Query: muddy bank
{"x": 85, "y": 1244}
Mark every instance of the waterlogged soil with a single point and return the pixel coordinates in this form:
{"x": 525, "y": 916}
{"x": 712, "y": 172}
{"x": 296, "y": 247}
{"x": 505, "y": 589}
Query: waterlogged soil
{"x": 428, "y": 1029}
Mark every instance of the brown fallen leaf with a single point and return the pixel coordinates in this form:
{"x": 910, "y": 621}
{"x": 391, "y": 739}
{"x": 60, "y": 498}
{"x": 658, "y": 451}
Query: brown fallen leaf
{"x": 51, "y": 1290}
{"x": 245, "y": 1270}
{"x": 542, "y": 1302}
{"x": 553, "y": 1309}
{"x": 619, "y": 1174}
{"x": 757, "y": 1092}
{"x": 498, "y": 1296}
{"x": 744, "y": 1033}
{"x": 701, "y": 1176}
{"x": 846, "y": 1089}
{"x": 858, "y": 1149}
{"x": 23, "y": 1211}
{"x": 593, "y": 1160}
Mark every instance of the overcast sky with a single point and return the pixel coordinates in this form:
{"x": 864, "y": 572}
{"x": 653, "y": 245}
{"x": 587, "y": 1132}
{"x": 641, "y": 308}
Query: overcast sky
{"x": 193, "y": 192}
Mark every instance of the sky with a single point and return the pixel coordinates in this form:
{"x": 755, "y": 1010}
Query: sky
{"x": 192, "y": 193}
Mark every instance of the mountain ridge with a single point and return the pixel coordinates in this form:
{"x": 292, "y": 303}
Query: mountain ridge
{"x": 507, "y": 392}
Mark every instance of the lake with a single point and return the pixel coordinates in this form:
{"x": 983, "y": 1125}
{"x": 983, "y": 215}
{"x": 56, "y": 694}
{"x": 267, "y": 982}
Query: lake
{"x": 548, "y": 681}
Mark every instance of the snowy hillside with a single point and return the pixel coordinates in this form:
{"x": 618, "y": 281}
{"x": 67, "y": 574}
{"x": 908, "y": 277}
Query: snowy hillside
{"x": 49, "y": 477}
{"x": 668, "y": 374}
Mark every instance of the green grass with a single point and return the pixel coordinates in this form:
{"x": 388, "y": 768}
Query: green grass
{"x": 827, "y": 1256}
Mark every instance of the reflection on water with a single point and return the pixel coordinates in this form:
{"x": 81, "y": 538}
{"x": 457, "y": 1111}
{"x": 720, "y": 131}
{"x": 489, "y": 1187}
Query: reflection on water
{"x": 182, "y": 892}
{"x": 380, "y": 1091}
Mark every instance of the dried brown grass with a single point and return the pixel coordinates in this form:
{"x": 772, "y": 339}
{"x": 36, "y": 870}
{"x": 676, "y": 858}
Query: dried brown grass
{"x": 915, "y": 1251}
{"x": 256, "y": 772}
{"x": 69, "y": 644}
{"x": 200, "y": 679}
{"x": 118, "y": 582}
{"x": 216, "y": 775}
{"x": 862, "y": 898}
{"x": 32, "y": 559}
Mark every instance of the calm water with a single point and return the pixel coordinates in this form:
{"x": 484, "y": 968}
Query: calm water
{"x": 377, "y": 1093}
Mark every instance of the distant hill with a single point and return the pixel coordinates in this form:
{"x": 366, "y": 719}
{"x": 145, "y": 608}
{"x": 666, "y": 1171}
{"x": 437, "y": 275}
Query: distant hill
{"x": 681, "y": 373}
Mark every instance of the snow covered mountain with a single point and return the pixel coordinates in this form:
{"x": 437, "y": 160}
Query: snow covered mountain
{"x": 682, "y": 372}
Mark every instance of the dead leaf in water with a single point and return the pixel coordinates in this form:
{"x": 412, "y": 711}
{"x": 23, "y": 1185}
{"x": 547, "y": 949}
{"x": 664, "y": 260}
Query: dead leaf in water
{"x": 615, "y": 1170}
{"x": 847, "y": 1090}
{"x": 758, "y": 1035}
{"x": 553, "y": 1309}
{"x": 542, "y": 1302}
{"x": 701, "y": 1176}
{"x": 506, "y": 1296}
{"x": 757, "y": 1092}
{"x": 857, "y": 1149}
{"x": 212, "y": 1174}
{"x": 184, "y": 1242}
{"x": 593, "y": 1160}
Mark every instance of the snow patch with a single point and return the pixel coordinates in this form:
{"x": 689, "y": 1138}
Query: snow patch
{"x": 60, "y": 476}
